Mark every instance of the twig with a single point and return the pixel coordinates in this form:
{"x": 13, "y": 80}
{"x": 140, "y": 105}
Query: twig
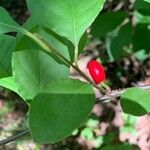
{"x": 117, "y": 93}
{"x": 14, "y": 137}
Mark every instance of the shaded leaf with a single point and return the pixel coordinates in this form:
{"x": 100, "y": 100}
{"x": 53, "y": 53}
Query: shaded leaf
{"x": 61, "y": 108}
{"x": 107, "y": 22}
{"x": 141, "y": 38}
{"x": 135, "y": 101}
{"x": 7, "y": 45}
{"x": 120, "y": 41}
{"x": 143, "y": 7}
{"x": 7, "y": 24}
{"x": 33, "y": 70}
{"x": 83, "y": 42}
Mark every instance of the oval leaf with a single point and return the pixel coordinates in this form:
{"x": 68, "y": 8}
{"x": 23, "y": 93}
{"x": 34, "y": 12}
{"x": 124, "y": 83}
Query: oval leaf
{"x": 141, "y": 30}
{"x": 121, "y": 40}
{"x": 68, "y": 18}
{"x": 24, "y": 42}
{"x": 61, "y": 109}
{"x": 143, "y": 7}
{"x": 136, "y": 101}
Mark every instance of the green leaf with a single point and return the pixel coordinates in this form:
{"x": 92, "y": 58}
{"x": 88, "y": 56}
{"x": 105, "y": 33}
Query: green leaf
{"x": 9, "y": 83}
{"x": 30, "y": 23}
{"x": 141, "y": 18}
{"x": 57, "y": 112}
{"x": 81, "y": 46}
{"x": 33, "y": 70}
{"x": 56, "y": 42}
{"x": 24, "y": 42}
{"x": 53, "y": 39}
{"x": 7, "y": 45}
{"x": 122, "y": 40}
{"x": 104, "y": 24}
{"x": 143, "y": 7}
{"x": 117, "y": 147}
{"x": 83, "y": 42}
{"x": 135, "y": 101}
{"x": 7, "y": 24}
{"x": 141, "y": 37}
{"x": 147, "y": 1}
{"x": 68, "y": 18}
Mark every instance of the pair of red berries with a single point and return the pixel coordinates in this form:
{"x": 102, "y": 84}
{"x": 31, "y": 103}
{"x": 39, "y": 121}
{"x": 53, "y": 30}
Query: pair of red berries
{"x": 97, "y": 71}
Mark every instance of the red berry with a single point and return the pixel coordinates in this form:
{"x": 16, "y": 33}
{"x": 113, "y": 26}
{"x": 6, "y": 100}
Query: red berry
{"x": 97, "y": 71}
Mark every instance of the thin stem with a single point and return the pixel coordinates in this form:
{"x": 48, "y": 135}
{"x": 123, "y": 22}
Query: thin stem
{"x": 14, "y": 137}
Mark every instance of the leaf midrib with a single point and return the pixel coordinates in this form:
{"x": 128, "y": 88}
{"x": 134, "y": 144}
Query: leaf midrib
{"x": 74, "y": 22}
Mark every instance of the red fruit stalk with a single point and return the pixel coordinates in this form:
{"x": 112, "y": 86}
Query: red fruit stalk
{"x": 97, "y": 71}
